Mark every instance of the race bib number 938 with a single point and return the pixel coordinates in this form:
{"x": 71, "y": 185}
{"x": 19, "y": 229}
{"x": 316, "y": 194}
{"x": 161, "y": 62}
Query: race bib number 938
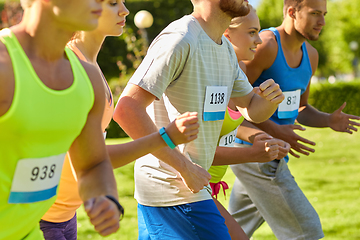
{"x": 36, "y": 179}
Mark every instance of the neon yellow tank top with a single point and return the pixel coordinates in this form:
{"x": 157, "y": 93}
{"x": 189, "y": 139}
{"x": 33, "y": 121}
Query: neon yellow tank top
{"x": 232, "y": 120}
{"x": 36, "y": 132}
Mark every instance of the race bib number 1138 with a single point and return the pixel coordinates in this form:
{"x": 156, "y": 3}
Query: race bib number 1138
{"x": 215, "y": 103}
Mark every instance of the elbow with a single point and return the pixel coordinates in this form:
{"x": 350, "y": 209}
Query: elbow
{"x": 258, "y": 119}
{"x": 253, "y": 119}
{"x": 120, "y": 111}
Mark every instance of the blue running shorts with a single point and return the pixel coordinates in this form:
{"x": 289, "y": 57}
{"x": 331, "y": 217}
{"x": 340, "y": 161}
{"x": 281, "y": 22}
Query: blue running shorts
{"x": 192, "y": 221}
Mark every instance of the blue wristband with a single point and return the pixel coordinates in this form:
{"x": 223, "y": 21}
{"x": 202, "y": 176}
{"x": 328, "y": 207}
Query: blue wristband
{"x": 166, "y": 138}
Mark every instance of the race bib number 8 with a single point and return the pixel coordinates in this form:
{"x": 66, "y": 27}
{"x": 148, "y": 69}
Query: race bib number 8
{"x": 290, "y": 106}
{"x": 215, "y": 103}
{"x": 36, "y": 179}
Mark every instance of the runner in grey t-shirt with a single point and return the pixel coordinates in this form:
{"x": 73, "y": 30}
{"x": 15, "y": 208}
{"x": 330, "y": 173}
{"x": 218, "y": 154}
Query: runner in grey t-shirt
{"x": 190, "y": 66}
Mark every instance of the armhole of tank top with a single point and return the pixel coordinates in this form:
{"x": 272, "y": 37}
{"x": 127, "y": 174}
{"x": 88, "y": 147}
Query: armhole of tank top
{"x": 110, "y": 101}
{"x": 233, "y": 114}
{"x": 5, "y": 32}
{"x": 81, "y": 56}
{"x": 81, "y": 71}
{"x": 7, "y": 44}
{"x": 305, "y": 52}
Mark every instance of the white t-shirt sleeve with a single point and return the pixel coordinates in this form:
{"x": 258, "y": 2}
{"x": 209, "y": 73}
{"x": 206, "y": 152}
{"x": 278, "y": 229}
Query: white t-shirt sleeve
{"x": 163, "y": 63}
{"x": 242, "y": 87}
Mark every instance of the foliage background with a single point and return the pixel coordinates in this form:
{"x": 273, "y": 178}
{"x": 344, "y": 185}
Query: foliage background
{"x": 342, "y": 27}
{"x": 330, "y": 177}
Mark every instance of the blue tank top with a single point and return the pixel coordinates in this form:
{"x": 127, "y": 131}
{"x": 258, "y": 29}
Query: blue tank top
{"x": 293, "y": 82}
{"x": 289, "y": 79}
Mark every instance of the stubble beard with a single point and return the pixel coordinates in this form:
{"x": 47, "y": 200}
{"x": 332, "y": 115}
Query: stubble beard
{"x": 309, "y": 36}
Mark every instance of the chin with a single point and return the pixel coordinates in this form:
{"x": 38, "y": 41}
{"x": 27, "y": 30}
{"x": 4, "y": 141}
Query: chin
{"x": 313, "y": 37}
{"x": 250, "y": 56}
{"x": 119, "y": 32}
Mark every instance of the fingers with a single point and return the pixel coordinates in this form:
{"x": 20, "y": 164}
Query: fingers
{"x": 303, "y": 149}
{"x": 270, "y": 91}
{"x": 187, "y": 122}
{"x": 262, "y": 136}
{"x": 341, "y": 107}
{"x": 184, "y": 129}
{"x": 284, "y": 148}
{"x": 190, "y": 117}
{"x": 297, "y": 127}
{"x": 103, "y": 214}
{"x": 307, "y": 141}
{"x": 294, "y": 154}
{"x": 272, "y": 146}
{"x": 196, "y": 178}
{"x": 354, "y": 123}
{"x": 351, "y": 126}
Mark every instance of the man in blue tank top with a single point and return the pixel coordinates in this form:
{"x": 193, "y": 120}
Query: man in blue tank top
{"x": 268, "y": 191}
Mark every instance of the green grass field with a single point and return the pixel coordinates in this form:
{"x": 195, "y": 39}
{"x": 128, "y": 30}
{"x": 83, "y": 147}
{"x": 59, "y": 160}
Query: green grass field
{"x": 330, "y": 178}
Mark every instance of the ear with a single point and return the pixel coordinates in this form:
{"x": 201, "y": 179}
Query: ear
{"x": 291, "y": 12}
{"x": 226, "y": 34}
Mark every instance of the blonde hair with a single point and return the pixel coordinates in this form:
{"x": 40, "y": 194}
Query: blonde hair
{"x": 26, "y": 3}
{"x": 237, "y": 21}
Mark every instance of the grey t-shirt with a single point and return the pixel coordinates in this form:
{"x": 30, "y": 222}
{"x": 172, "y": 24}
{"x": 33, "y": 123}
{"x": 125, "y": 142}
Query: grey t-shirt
{"x": 180, "y": 66}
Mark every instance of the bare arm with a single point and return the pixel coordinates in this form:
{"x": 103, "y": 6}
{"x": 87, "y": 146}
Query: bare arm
{"x": 93, "y": 167}
{"x": 264, "y": 58}
{"x": 260, "y": 104}
{"x": 264, "y": 147}
{"x": 338, "y": 121}
{"x": 131, "y": 115}
{"x": 184, "y": 129}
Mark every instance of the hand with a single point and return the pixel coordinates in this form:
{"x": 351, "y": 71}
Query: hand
{"x": 287, "y": 134}
{"x": 341, "y": 122}
{"x": 195, "y": 177}
{"x": 265, "y": 148}
{"x": 270, "y": 91}
{"x": 284, "y": 148}
{"x": 103, "y": 214}
{"x": 184, "y": 129}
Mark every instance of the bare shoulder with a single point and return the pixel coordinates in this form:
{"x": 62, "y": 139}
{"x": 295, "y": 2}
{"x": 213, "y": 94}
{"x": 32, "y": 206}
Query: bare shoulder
{"x": 96, "y": 81}
{"x": 312, "y": 52}
{"x": 313, "y": 56}
{"x": 7, "y": 83}
{"x": 264, "y": 57}
{"x": 6, "y": 71}
{"x": 267, "y": 50}
{"x": 269, "y": 44}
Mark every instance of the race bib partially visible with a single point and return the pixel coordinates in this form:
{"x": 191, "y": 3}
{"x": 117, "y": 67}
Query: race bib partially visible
{"x": 228, "y": 140}
{"x": 290, "y": 106}
{"x": 36, "y": 179}
{"x": 215, "y": 103}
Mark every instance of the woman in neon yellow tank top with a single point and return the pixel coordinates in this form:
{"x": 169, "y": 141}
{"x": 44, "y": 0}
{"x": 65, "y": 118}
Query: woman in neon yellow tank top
{"x": 60, "y": 220}
{"x": 50, "y": 103}
{"x": 244, "y": 32}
